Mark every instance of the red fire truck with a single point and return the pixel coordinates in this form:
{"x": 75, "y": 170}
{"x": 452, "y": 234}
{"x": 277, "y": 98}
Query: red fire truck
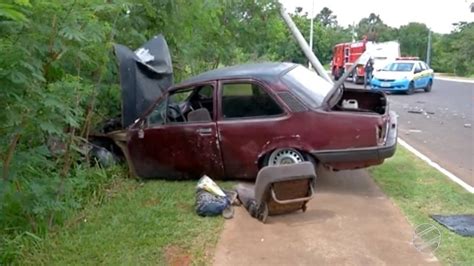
{"x": 345, "y": 55}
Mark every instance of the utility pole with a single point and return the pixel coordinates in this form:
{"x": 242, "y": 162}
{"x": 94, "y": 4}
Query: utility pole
{"x": 311, "y": 33}
{"x": 353, "y": 31}
{"x": 304, "y": 46}
{"x": 428, "y": 49}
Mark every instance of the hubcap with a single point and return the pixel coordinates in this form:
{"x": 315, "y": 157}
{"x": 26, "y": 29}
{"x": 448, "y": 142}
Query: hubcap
{"x": 285, "y": 156}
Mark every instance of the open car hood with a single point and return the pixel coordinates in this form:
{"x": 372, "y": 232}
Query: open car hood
{"x": 145, "y": 74}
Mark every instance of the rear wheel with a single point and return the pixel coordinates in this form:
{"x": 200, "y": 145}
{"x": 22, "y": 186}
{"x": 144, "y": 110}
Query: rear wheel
{"x": 411, "y": 88}
{"x": 428, "y": 87}
{"x": 284, "y": 156}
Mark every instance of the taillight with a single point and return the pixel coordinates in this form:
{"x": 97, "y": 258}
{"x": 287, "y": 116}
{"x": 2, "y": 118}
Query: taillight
{"x": 380, "y": 133}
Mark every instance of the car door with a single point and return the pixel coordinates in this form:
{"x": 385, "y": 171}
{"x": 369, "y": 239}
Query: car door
{"x": 418, "y": 75}
{"x": 165, "y": 147}
{"x": 249, "y": 117}
{"x": 424, "y": 74}
{"x": 427, "y": 73}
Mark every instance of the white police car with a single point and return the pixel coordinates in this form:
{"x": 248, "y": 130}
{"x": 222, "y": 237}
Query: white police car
{"x": 404, "y": 74}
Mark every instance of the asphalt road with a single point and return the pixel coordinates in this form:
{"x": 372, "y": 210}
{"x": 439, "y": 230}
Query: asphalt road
{"x": 440, "y": 124}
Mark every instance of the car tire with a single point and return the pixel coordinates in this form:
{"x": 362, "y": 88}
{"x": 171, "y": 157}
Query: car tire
{"x": 428, "y": 87}
{"x": 305, "y": 158}
{"x": 411, "y": 88}
{"x": 284, "y": 156}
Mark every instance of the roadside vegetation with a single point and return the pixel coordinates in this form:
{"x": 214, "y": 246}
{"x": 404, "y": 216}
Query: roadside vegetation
{"x": 419, "y": 190}
{"x": 151, "y": 223}
{"x": 59, "y": 83}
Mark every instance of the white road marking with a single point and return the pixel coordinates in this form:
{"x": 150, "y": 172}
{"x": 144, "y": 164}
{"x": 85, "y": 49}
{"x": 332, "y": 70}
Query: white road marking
{"x": 455, "y": 79}
{"x": 436, "y": 166}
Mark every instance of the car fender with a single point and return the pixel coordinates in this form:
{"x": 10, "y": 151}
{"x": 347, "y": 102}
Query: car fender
{"x": 292, "y": 141}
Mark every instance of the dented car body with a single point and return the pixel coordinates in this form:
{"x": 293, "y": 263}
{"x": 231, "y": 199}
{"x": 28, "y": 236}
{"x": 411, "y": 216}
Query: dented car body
{"x": 230, "y": 122}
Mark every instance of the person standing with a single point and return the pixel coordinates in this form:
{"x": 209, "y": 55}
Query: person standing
{"x": 369, "y": 68}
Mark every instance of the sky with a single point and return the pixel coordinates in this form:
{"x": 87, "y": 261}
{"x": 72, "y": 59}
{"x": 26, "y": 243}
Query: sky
{"x": 436, "y": 14}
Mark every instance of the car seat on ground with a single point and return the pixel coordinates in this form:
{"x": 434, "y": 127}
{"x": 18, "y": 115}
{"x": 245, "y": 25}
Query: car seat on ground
{"x": 278, "y": 190}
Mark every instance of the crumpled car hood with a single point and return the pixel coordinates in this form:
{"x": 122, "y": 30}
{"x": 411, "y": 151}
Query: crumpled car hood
{"x": 145, "y": 74}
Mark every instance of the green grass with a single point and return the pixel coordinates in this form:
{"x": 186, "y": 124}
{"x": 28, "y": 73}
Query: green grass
{"x": 467, "y": 76}
{"x": 420, "y": 190}
{"x": 150, "y": 223}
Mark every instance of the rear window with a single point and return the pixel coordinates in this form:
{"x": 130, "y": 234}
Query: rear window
{"x": 241, "y": 100}
{"x": 307, "y": 85}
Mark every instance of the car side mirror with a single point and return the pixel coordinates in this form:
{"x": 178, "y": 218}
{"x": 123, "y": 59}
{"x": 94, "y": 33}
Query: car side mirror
{"x": 140, "y": 124}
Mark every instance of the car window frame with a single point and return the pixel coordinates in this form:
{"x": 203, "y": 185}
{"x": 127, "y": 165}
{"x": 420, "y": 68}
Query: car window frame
{"x": 212, "y": 83}
{"x": 426, "y": 65}
{"x": 262, "y": 85}
{"x": 143, "y": 119}
{"x": 417, "y": 64}
{"x": 423, "y": 66}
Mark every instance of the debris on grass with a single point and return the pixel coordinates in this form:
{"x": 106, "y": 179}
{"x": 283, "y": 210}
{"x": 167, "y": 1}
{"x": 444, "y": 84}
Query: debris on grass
{"x": 211, "y": 200}
{"x": 460, "y": 224}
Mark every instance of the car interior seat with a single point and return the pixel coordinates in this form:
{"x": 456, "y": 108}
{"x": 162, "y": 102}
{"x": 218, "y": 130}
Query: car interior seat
{"x": 199, "y": 115}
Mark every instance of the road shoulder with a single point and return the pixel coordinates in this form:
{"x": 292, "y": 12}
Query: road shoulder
{"x": 454, "y": 79}
{"x": 350, "y": 221}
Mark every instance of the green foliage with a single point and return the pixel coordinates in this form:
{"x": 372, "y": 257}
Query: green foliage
{"x": 59, "y": 78}
{"x": 414, "y": 39}
{"x": 326, "y": 18}
{"x": 137, "y": 224}
{"x": 454, "y": 52}
{"x": 374, "y": 29}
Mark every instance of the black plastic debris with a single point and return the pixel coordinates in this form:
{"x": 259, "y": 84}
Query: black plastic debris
{"x": 209, "y": 204}
{"x": 460, "y": 224}
{"x": 211, "y": 200}
{"x": 102, "y": 156}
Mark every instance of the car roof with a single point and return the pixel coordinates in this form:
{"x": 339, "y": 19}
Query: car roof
{"x": 263, "y": 71}
{"x": 407, "y": 61}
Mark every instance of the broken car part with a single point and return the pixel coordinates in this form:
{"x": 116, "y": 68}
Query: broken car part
{"x": 279, "y": 189}
{"x": 144, "y": 75}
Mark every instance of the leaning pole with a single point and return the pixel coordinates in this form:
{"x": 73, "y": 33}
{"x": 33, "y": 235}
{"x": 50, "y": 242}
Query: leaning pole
{"x": 304, "y": 46}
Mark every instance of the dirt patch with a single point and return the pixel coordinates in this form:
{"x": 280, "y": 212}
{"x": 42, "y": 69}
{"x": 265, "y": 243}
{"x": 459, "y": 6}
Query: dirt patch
{"x": 151, "y": 202}
{"x": 184, "y": 206}
{"x": 176, "y": 256}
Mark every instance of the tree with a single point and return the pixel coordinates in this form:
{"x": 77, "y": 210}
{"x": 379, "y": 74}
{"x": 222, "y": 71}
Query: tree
{"x": 375, "y": 30}
{"x": 414, "y": 39}
{"x": 326, "y": 18}
{"x": 454, "y": 52}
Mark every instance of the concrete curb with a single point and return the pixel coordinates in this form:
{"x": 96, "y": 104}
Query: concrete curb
{"x": 436, "y": 166}
{"x": 455, "y": 79}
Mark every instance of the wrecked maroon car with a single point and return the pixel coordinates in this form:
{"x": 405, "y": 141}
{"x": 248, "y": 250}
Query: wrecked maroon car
{"x": 230, "y": 122}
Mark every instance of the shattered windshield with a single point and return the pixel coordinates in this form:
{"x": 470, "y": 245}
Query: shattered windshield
{"x": 400, "y": 67}
{"x": 307, "y": 85}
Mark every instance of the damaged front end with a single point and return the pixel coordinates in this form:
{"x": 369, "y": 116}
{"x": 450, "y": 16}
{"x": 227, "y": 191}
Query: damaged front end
{"x": 145, "y": 75}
